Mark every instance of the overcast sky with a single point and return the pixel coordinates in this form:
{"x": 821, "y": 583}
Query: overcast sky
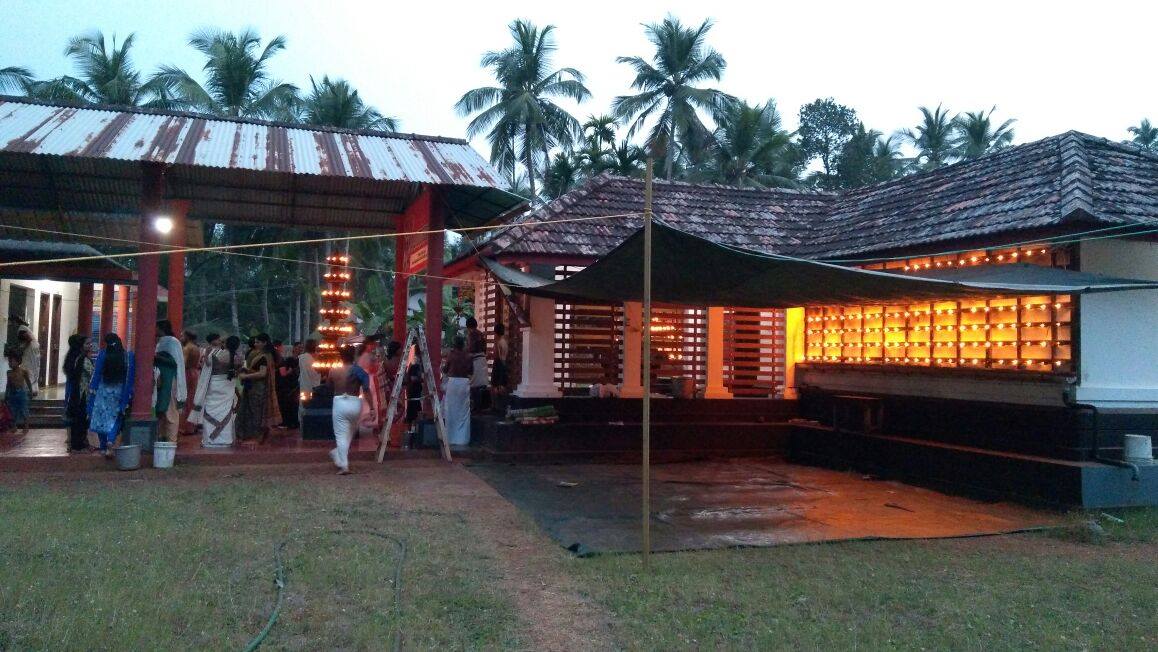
{"x": 1053, "y": 68}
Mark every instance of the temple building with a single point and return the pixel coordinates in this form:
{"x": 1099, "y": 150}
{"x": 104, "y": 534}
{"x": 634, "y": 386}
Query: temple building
{"x": 1056, "y": 375}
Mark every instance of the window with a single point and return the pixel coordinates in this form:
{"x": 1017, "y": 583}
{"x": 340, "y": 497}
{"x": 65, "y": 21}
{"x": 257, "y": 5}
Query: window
{"x": 1032, "y": 333}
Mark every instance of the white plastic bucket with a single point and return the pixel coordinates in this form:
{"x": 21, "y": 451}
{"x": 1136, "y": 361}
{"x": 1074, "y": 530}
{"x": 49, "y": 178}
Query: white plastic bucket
{"x": 164, "y": 452}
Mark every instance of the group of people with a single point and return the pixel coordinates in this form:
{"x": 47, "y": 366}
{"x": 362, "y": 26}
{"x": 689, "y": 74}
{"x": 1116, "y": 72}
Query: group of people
{"x": 228, "y": 390}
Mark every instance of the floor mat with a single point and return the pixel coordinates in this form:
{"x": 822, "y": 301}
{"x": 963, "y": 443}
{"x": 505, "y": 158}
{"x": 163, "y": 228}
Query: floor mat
{"x": 595, "y": 508}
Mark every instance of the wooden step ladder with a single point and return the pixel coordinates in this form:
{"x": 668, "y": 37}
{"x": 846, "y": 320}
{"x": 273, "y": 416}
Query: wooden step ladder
{"x": 416, "y": 335}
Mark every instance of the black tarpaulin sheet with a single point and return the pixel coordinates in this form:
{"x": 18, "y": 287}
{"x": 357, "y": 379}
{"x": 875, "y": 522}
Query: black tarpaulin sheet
{"x": 690, "y": 270}
{"x": 594, "y": 508}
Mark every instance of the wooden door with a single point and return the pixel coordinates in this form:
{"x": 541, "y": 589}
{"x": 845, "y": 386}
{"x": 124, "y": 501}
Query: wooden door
{"x": 18, "y": 306}
{"x": 54, "y": 341}
{"x": 42, "y": 324}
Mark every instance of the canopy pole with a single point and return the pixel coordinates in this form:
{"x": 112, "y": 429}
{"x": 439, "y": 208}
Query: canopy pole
{"x": 646, "y": 448}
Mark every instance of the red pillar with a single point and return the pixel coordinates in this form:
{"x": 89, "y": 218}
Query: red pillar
{"x": 177, "y": 211}
{"x": 123, "y": 313}
{"x": 145, "y": 317}
{"x": 401, "y": 283}
{"x": 84, "y": 309}
{"x": 434, "y": 245}
{"x": 106, "y": 324}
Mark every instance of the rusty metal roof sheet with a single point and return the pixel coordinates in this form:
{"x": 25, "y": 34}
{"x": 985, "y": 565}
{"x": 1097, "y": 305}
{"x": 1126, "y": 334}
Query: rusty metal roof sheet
{"x": 188, "y": 139}
{"x": 330, "y": 177}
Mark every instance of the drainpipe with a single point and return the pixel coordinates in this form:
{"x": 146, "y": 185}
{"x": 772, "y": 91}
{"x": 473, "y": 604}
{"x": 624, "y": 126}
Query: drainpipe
{"x": 1095, "y": 449}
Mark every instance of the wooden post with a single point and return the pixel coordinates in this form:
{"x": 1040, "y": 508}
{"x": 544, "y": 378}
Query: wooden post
{"x": 145, "y": 317}
{"x": 107, "y": 303}
{"x": 434, "y": 245}
{"x": 401, "y": 285}
{"x": 123, "y": 314}
{"x": 84, "y": 309}
{"x": 176, "y": 308}
{"x": 715, "y": 387}
{"x": 647, "y": 191}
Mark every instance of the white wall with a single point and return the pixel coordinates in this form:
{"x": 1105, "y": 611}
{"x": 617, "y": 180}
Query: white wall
{"x": 70, "y": 295}
{"x": 1119, "y": 330}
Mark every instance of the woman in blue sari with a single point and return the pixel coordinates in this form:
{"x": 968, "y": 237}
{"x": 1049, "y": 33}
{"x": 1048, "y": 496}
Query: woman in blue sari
{"x": 111, "y": 391}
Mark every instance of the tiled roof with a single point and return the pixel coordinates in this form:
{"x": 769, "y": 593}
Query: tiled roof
{"x": 765, "y": 220}
{"x": 1068, "y": 178}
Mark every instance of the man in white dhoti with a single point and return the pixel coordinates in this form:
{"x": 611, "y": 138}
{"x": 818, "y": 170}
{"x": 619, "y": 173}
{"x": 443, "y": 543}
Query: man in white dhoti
{"x": 348, "y": 382}
{"x": 457, "y": 369}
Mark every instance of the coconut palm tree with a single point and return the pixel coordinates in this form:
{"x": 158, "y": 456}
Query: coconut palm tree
{"x": 105, "y": 75}
{"x": 977, "y": 136}
{"x": 334, "y": 103}
{"x": 520, "y": 116}
{"x": 237, "y": 77}
{"x": 599, "y": 131}
{"x": 887, "y": 162}
{"x": 626, "y": 160}
{"x": 1144, "y": 134}
{"x": 564, "y": 173}
{"x": 15, "y": 78}
{"x": 933, "y": 138}
{"x": 751, "y": 148}
{"x": 668, "y": 96}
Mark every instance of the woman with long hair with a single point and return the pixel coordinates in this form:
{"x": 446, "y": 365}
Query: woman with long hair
{"x": 111, "y": 391}
{"x": 215, "y": 399}
{"x": 77, "y": 376}
{"x": 259, "y": 409}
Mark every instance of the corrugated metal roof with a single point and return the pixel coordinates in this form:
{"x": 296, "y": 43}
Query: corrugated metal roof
{"x": 188, "y": 139}
{"x": 89, "y": 159}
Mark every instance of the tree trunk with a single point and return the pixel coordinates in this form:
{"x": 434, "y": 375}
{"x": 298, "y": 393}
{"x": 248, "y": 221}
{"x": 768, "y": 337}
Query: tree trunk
{"x": 529, "y": 160}
{"x": 233, "y": 316}
{"x": 669, "y": 155}
{"x": 295, "y": 316}
{"x": 265, "y": 321}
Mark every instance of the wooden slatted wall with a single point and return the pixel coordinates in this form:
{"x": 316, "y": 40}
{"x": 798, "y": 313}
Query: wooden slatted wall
{"x": 588, "y": 349}
{"x": 754, "y": 352}
{"x": 679, "y": 343}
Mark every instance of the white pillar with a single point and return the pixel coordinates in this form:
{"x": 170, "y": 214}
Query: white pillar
{"x": 793, "y": 348}
{"x": 538, "y": 379}
{"x": 715, "y": 383}
{"x": 632, "y": 384}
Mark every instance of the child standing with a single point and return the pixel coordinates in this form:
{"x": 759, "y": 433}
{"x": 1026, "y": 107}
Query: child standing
{"x": 18, "y": 391}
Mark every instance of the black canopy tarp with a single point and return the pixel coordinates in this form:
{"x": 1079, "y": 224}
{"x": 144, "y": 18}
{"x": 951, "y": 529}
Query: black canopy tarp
{"x": 690, "y": 270}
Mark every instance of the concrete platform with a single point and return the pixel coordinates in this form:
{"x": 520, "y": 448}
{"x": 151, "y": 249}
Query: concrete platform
{"x": 974, "y": 471}
{"x": 47, "y": 449}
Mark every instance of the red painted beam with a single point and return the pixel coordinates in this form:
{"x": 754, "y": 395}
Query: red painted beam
{"x": 106, "y": 325}
{"x": 178, "y": 209}
{"x": 148, "y": 275}
{"x": 435, "y": 242}
{"x": 67, "y": 273}
{"x": 123, "y": 313}
{"x": 84, "y": 308}
{"x": 401, "y": 280}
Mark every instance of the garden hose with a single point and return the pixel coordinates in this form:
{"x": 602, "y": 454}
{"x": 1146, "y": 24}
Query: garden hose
{"x": 279, "y": 580}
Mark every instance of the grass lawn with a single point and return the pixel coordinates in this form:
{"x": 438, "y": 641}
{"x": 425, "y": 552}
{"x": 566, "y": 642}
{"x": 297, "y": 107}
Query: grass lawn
{"x": 188, "y": 564}
{"x": 185, "y": 560}
{"x": 1062, "y": 590}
